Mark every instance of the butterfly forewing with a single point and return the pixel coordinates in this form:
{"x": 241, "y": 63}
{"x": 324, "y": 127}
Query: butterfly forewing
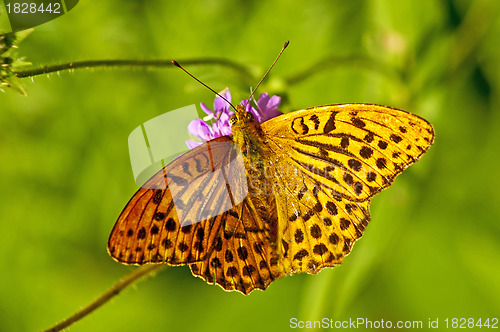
{"x": 171, "y": 218}
{"x": 340, "y": 156}
{"x": 358, "y": 149}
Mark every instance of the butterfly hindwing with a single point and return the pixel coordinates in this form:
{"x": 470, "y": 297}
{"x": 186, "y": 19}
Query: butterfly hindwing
{"x": 317, "y": 228}
{"x": 243, "y": 258}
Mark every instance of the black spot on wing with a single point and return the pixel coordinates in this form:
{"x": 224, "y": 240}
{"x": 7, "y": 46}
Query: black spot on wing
{"x": 369, "y": 137}
{"x": 299, "y": 127}
{"x": 344, "y": 142}
{"x": 382, "y": 145}
{"x": 314, "y": 118}
{"x": 366, "y": 152}
{"x": 395, "y": 138}
{"x": 330, "y": 124}
{"x": 185, "y": 168}
{"x": 357, "y": 122}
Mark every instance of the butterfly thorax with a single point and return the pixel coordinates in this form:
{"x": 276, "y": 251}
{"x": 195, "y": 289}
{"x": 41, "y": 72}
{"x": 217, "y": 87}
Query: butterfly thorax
{"x": 247, "y": 134}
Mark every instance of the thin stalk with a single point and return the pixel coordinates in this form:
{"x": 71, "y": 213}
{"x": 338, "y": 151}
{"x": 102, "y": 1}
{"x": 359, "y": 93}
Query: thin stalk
{"x": 143, "y": 271}
{"x": 131, "y": 63}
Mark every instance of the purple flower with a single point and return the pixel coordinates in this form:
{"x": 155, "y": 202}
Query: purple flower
{"x": 267, "y": 107}
{"x": 218, "y": 120}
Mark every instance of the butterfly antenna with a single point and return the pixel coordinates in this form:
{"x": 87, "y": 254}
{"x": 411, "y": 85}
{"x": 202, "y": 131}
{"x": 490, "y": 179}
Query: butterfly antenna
{"x": 206, "y": 86}
{"x": 267, "y": 72}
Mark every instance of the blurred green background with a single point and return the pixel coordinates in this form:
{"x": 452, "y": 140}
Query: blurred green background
{"x": 432, "y": 249}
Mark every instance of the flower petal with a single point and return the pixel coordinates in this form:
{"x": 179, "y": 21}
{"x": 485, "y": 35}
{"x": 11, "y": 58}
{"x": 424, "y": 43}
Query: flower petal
{"x": 206, "y": 109}
{"x": 219, "y": 125}
{"x": 200, "y": 129}
{"x": 192, "y": 144}
{"x": 263, "y": 100}
{"x": 273, "y": 103}
{"x": 220, "y": 105}
{"x": 226, "y": 131}
{"x": 268, "y": 106}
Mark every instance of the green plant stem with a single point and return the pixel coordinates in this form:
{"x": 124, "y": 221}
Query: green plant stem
{"x": 132, "y": 277}
{"x": 131, "y": 63}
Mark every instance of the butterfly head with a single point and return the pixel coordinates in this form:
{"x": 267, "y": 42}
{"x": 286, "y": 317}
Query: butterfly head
{"x": 241, "y": 116}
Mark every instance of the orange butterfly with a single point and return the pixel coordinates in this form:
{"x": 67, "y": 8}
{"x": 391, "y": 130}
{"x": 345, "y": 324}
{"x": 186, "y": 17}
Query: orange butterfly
{"x": 286, "y": 196}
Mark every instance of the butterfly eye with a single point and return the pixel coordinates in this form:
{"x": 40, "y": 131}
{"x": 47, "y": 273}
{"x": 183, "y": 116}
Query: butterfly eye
{"x": 232, "y": 119}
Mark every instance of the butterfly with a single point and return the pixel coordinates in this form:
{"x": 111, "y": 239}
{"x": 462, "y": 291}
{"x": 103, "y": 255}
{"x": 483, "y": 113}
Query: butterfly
{"x": 286, "y": 196}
